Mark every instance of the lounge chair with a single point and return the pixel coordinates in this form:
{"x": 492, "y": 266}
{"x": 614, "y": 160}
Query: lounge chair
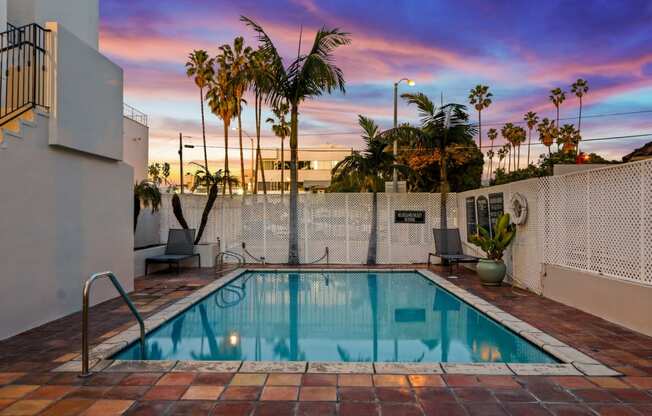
{"x": 180, "y": 247}
{"x": 452, "y": 253}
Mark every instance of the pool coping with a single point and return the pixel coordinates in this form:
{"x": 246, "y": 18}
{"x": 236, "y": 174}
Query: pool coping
{"x": 572, "y": 361}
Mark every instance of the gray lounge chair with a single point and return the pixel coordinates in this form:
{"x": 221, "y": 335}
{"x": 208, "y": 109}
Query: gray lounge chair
{"x": 180, "y": 247}
{"x": 452, "y": 253}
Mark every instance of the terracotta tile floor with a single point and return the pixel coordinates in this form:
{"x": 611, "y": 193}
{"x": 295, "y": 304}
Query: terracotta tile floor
{"x": 28, "y": 387}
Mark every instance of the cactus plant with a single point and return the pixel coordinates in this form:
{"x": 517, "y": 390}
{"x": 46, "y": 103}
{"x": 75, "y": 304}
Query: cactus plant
{"x": 494, "y": 245}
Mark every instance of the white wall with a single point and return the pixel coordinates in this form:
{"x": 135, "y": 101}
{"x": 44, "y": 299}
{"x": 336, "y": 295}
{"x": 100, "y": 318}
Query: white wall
{"x": 88, "y": 95}
{"x": 148, "y": 228}
{"x": 135, "y": 147}
{"x": 68, "y": 216}
{"x": 3, "y": 15}
{"x": 80, "y": 17}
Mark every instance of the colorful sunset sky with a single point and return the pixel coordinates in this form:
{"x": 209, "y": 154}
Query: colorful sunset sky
{"x": 520, "y": 49}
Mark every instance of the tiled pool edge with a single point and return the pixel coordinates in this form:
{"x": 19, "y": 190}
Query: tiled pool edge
{"x": 573, "y": 361}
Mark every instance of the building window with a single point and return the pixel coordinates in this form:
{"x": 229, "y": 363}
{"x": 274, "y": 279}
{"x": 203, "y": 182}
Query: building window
{"x": 496, "y": 208}
{"x": 471, "y": 221}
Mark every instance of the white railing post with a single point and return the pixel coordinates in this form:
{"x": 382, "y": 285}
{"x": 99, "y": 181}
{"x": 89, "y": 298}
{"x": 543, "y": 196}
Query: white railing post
{"x": 347, "y": 244}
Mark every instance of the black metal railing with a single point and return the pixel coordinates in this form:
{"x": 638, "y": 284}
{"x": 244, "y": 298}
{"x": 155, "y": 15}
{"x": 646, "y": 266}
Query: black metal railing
{"x": 24, "y": 82}
{"x": 134, "y": 114}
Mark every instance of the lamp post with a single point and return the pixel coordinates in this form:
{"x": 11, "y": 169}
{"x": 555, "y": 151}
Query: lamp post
{"x": 395, "y": 172}
{"x": 181, "y": 146}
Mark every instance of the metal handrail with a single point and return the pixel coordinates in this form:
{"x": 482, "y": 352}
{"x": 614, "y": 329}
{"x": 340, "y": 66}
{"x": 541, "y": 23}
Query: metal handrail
{"x": 86, "y": 295}
{"x": 325, "y": 256}
{"x": 219, "y": 259}
{"x": 257, "y": 259}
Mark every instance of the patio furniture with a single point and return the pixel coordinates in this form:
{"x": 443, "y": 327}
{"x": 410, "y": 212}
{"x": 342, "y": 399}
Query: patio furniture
{"x": 452, "y": 253}
{"x": 180, "y": 247}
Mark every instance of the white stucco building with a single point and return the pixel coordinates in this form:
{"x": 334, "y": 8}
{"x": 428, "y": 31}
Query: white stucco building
{"x": 71, "y": 214}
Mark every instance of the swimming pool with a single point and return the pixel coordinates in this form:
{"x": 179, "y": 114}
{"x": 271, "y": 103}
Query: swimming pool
{"x": 335, "y": 316}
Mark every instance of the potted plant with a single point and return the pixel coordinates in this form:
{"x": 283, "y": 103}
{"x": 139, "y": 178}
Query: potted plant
{"x": 492, "y": 269}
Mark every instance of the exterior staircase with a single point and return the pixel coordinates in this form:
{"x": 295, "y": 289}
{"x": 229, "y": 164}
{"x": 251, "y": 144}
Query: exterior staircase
{"x": 15, "y": 129}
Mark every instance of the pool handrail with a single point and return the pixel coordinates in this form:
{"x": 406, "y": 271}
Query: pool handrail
{"x": 85, "y": 306}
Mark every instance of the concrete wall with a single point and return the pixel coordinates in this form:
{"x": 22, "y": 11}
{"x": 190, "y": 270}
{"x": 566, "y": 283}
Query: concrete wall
{"x": 135, "y": 147}
{"x": 3, "y": 14}
{"x": 624, "y": 303}
{"x": 87, "y": 98}
{"x": 67, "y": 217}
{"x": 80, "y": 17}
{"x": 148, "y": 228}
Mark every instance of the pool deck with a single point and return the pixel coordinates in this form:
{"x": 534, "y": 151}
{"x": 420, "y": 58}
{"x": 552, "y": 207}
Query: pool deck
{"x": 28, "y": 386}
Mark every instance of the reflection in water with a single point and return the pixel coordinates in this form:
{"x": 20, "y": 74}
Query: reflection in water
{"x": 335, "y": 317}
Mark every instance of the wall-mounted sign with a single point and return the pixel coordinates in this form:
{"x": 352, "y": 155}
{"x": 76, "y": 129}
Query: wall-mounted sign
{"x": 409, "y": 217}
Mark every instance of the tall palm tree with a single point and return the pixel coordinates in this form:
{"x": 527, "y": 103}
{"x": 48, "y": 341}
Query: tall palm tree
{"x": 557, "y": 96}
{"x": 480, "y": 98}
{"x": 281, "y": 129}
{"x": 370, "y": 168}
{"x": 531, "y": 119}
{"x": 518, "y": 138}
{"x": 580, "y": 88}
{"x": 569, "y": 138}
{"x": 261, "y": 81}
{"x": 547, "y": 133}
{"x": 490, "y": 156}
{"x": 309, "y": 75}
{"x": 506, "y": 132}
{"x": 502, "y": 153}
{"x": 236, "y": 61}
{"x": 492, "y": 134}
{"x": 223, "y": 103}
{"x": 440, "y": 131}
{"x": 200, "y": 66}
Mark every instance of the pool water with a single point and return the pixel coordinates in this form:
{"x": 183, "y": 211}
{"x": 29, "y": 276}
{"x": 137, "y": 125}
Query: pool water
{"x": 335, "y": 316}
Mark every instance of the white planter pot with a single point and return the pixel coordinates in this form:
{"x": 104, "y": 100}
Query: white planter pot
{"x": 208, "y": 252}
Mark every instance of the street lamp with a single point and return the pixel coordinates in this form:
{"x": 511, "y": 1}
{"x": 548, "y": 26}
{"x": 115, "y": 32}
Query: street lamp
{"x": 181, "y": 146}
{"x": 410, "y": 83}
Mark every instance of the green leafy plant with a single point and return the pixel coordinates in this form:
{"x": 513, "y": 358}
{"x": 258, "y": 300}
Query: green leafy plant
{"x": 494, "y": 246}
{"x": 146, "y": 194}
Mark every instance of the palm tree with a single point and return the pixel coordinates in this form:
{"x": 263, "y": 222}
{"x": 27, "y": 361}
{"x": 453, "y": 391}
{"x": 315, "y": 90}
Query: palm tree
{"x": 309, "y": 75}
{"x": 492, "y": 134}
{"x": 236, "y": 61}
{"x": 370, "y": 167}
{"x": 222, "y": 102}
{"x": 569, "y": 138}
{"x": 146, "y": 194}
{"x": 557, "y": 96}
{"x": 203, "y": 179}
{"x": 518, "y": 138}
{"x": 506, "y": 132}
{"x": 281, "y": 129}
{"x": 490, "y": 156}
{"x": 547, "y": 133}
{"x": 580, "y": 88}
{"x": 531, "y": 119}
{"x": 441, "y": 129}
{"x": 480, "y": 98}
{"x": 200, "y": 66}
{"x": 261, "y": 78}
{"x": 502, "y": 153}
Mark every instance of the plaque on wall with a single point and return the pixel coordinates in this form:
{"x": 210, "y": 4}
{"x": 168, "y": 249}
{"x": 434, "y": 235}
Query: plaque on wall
{"x": 409, "y": 217}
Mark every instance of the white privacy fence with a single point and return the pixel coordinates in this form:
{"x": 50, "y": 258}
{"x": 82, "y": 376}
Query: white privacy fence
{"x": 600, "y": 221}
{"x": 339, "y": 221}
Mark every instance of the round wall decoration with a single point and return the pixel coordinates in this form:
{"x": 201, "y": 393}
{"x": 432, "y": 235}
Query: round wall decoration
{"x": 519, "y": 208}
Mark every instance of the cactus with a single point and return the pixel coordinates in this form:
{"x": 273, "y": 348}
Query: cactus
{"x": 494, "y": 246}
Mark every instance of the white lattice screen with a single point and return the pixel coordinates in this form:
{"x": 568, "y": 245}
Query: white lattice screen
{"x": 600, "y": 221}
{"x": 339, "y": 221}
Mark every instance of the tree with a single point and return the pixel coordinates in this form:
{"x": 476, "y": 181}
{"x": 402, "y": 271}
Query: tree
{"x": 492, "y": 134}
{"x": 146, "y": 194}
{"x": 441, "y": 131}
{"x": 569, "y": 138}
{"x": 518, "y": 138}
{"x": 236, "y": 62}
{"x": 261, "y": 77}
{"x": 200, "y": 66}
{"x": 204, "y": 179}
{"x": 222, "y": 102}
{"x": 309, "y": 75}
{"x": 531, "y": 119}
{"x": 281, "y": 129}
{"x": 557, "y": 96}
{"x": 502, "y": 153}
{"x": 547, "y": 132}
{"x": 490, "y": 156}
{"x": 480, "y": 98}
{"x": 506, "y": 132}
{"x": 370, "y": 167}
{"x": 580, "y": 88}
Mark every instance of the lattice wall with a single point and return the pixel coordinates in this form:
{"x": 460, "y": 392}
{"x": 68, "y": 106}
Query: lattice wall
{"x": 600, "y": 221}
{"x": 339, "y": 221}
